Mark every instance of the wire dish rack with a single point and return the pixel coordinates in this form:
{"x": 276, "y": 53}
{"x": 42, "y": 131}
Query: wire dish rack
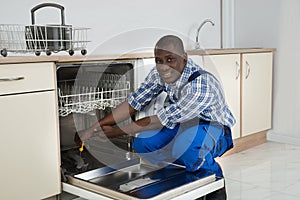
{"x": 43, "y": 38}
{"x": 112, "y": 91}
{"x": 37, "y": 38}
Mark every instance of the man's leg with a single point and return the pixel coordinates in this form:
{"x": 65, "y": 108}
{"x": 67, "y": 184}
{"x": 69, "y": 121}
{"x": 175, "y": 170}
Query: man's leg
{"x": 197, "y": 147}
{"x": 155, "y": 145}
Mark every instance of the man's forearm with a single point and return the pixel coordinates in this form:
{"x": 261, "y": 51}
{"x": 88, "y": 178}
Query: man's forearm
{"x": 147, "y": 123}
{"x": 105, "y": 125}
{"x": 120, "y": 113}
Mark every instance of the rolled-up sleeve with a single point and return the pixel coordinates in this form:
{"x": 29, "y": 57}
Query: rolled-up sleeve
{"x": 148, "y": 90}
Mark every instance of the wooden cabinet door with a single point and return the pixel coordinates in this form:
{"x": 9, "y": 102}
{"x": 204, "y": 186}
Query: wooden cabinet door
{"x": 29, "y": 146}
{"x": 227, "y": 69}
{"x": 256, "y": 92}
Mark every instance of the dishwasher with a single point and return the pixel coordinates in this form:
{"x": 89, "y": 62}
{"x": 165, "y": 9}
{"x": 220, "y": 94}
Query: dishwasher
{"x": 109, "y": 168}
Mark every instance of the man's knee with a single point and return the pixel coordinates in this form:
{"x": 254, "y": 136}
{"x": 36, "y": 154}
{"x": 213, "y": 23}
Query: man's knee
{"x": 139, "y": 145}
{"x": 152, "y": 140}
{"x": 143, "y": 143}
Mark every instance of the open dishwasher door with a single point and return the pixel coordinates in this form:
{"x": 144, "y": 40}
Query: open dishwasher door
{"x": 141, "y": 181}
{"x": 109, "y": 168}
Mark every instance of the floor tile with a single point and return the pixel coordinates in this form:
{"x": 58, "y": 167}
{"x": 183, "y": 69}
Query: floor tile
{"x": 268, "y": 171}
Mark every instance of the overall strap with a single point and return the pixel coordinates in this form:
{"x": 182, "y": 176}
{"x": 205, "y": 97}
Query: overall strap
{"x": 227, "y": 130}
{"x": 194, "y": 75}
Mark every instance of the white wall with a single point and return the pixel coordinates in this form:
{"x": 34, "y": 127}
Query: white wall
{"x": 276, "y": 23}
{"x": 287, "y": 94}
{"x": 120, "y": 26}
{"x": 256, "y": 23}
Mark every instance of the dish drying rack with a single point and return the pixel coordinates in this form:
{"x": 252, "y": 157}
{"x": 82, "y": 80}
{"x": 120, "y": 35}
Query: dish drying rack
{"x": 43, "y": 38}
{"x": 112, "y": 91}
{"x": 28, "y": 39}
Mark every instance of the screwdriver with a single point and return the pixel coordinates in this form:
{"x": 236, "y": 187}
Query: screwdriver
{"x": 81, "y": 148}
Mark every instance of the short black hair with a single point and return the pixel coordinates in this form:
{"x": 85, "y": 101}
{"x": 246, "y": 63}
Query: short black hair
{"x": 171, "y": 43}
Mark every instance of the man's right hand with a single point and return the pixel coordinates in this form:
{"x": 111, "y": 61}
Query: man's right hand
{"x": 83, "y": 135}
{"x": 86, "y": 134}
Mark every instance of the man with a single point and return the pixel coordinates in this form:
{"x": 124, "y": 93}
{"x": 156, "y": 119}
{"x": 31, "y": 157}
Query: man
{"x": 192, "y": 130}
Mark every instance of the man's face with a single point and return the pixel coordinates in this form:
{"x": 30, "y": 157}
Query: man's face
{"x": 169, "y": 65}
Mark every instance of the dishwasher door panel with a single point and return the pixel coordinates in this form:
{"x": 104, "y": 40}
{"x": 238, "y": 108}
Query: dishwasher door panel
{"x": 143, "y": 181}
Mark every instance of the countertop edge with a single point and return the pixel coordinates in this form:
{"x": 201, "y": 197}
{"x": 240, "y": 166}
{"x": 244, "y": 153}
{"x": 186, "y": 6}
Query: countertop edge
{"x": 80, "y": 58}
{"x": 229, "y": 51}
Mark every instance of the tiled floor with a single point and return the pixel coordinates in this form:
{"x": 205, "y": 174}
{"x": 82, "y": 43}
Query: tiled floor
{"x": 270, "y": 171}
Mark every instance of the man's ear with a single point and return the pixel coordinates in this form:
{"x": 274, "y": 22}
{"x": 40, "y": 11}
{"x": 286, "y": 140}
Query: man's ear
{"x": 185, "y": 57}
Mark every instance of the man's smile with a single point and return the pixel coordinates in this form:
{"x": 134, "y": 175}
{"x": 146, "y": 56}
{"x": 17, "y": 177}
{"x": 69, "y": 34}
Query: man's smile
{"x": 165, "y": 75}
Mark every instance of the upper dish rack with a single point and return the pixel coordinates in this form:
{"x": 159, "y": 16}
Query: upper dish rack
{"x": 113, "y": 90}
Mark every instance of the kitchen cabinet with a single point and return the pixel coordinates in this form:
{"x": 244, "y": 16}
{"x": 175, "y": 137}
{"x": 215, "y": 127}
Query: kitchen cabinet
{"x": 247, "y": 84}
{"x": 29, "y": 132}
{"x": 256, "y": 92}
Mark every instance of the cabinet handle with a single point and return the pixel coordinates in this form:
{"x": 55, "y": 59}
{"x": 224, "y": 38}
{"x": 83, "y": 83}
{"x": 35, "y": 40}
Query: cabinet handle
{"x": 237, "y": 70}
{"x": 5, "y": 79}
{"x": 248, "y": 69}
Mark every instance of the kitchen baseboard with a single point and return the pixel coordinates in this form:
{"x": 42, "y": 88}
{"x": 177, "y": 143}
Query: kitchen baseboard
{"x": 247, "y": 142}
{"x": 275, "y": 137}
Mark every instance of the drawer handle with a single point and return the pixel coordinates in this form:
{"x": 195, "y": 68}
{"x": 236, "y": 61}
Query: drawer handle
{"x": 248, "y": 69}
{"x": 237, "y": 70}
{"x": 12, "y": 79}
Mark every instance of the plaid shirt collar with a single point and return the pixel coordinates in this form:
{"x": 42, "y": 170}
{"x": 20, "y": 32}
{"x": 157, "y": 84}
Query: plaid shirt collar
{"x": 190, "y": 68}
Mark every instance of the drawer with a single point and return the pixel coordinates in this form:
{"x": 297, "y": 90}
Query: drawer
{"x": 28, "y": 77}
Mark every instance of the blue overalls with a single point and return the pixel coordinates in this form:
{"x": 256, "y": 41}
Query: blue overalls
{"x": 193, "y": 144}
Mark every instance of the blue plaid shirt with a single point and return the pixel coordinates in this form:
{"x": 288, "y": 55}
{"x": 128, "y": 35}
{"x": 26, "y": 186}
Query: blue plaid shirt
{"x": 202, "y": 98}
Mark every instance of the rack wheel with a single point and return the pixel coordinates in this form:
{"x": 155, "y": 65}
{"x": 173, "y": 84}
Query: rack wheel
{"x": 37, "y": 53}
{"x": 71, "y": 52}
{"x": 4, "y": 52}
{"x": 48, "y": 53}
{"x": 83, "y": 51}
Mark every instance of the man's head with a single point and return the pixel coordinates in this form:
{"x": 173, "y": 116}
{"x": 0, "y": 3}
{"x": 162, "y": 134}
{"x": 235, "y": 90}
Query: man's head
{"x": 170, "y": 58}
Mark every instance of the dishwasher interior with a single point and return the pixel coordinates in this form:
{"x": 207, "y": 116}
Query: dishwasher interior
{"x": 86, "y": 93}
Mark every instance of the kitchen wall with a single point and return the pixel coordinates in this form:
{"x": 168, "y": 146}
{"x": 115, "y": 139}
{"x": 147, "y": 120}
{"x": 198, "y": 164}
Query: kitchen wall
{"x": 119, "y": 26}
{"x": 275, "y": 23}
